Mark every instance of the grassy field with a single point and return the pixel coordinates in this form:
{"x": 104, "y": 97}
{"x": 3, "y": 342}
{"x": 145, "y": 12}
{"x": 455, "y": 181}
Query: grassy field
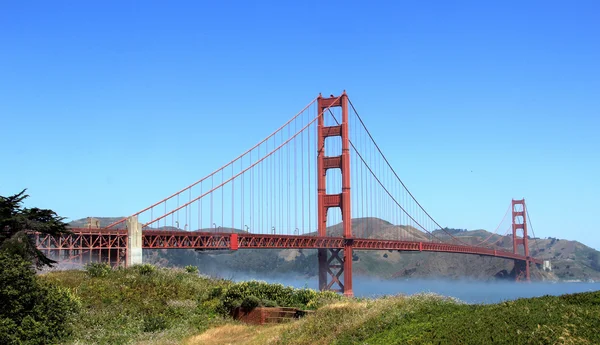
{"x": 430, "y": 319}
{"x": 160, "y": 306}
{"x": 137, "y": 305}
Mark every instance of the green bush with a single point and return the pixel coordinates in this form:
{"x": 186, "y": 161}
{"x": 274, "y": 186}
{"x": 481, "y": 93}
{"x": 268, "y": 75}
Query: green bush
{"x": 98, "y": 269}
{"x": 146, "y": 269}
{"x": 155, "y": 323}
{"x": 129, "y": 307}
{"x": 32, "y": 311}
{"x": 191, "y": 269}
{"x": 268, "y": 303}
{"x": 250, "y": 302}
{"x": 236, "y": 303}
{"x": 282, "y": 295}
{"x": 216, "y": 292}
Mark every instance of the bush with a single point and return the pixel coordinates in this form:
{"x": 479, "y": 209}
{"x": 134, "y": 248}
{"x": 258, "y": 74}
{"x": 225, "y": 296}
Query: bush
{"x": 236, "y": 303}
{"x": 155, "y": 323}
{"x": 98, "y": 269}
{"x": 216, "y": 292}
{"x": 128, "y": 307}
{"x": 191, "y": 269}
{"x": 146, "y": 269}
{"x": 32, "y": 311}
{"x": 279, "y": 294}
{"x": 250, "y": 303}
{"x": 268, "y": 303}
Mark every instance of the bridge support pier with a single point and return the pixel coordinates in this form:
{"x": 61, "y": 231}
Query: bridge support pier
{"x": 333, "y": 263}
{"x": 134, "y": 242}
{"x": 521, "y": 269}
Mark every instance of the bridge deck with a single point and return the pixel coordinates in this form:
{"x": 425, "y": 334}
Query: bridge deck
{"x": 157, "y": 239}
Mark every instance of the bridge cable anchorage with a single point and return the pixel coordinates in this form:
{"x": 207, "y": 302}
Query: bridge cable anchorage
{"x": 400, "y": 180}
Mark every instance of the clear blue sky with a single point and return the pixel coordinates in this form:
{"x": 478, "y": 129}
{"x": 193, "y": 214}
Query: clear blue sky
{"x": 108, "y": 106}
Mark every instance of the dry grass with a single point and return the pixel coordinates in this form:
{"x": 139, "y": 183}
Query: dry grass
{"x": 239, "y": 334}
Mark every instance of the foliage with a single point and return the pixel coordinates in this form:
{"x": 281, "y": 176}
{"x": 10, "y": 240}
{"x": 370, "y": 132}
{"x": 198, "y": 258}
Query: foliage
{"x": 431, "y": 319}
{"x": 268, "y": 303}
{"x": 250, "y": 302}
{"x": 145, "y": 269}
{"x": 453, "y": 231}
{"x": 281, "y": 295}
{"x": 131, "y": 305}
{"x": 15, "y": 221}
{"x": 191, "y": 269}
{"x": 32, "y": 311}
{"x": 154, "y": 323}
{"x": 98, "y": 269}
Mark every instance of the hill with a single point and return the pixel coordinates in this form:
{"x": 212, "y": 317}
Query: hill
{"x": 429, "y": 319}
{"x": 148, "y": 305}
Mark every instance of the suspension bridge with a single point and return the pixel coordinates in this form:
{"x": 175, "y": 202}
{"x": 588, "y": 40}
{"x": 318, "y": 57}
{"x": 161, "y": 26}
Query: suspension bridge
{"x": 299, "y": 188}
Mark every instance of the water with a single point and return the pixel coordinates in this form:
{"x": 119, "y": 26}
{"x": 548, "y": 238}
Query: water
{"x": 470, "y": 291}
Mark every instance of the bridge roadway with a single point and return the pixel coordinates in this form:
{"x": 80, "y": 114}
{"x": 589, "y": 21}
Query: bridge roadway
{"x": 161, "y": 239}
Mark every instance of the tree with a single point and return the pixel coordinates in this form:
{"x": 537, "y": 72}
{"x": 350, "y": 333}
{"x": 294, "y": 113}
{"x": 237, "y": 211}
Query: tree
{"x": 32, "y": 311}
{"x": 15, "y": 223}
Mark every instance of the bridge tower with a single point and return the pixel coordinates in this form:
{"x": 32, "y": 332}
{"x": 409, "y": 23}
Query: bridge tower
{"x": 333, "y": 263}
{"x": 519, "y": 224}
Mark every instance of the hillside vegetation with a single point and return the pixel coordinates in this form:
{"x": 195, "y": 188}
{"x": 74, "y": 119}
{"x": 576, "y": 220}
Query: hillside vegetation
{"x": 140, "y": 304}
{"x": 430, "y": 319}
{"x": 149, "y": 305}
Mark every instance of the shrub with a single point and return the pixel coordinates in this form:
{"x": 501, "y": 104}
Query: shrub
{"x": 191, "y": 269}
{"x": 155, "y": 323}
{"x": 216, "y": 292}
{"x": 236, "y": 303}
{"x": 97, "y": 269}
{"x": 250, "y": 303}
{"x": 32, "y": 311}
{"x": 281, "y": 295}
{"x": 146, "y": 269}
{"x": 268, "y": 303}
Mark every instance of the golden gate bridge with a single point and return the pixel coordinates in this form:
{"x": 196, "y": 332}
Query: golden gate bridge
{"x": 299, "y": 188}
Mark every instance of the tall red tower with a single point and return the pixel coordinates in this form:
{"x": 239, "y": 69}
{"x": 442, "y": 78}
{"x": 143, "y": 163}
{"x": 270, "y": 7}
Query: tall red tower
{"x": 333, "y": 263}
{"x": 519, "y": 223}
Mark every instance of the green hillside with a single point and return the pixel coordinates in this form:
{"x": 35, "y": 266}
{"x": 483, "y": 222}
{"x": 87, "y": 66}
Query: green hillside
{"x": 148, "y": 305}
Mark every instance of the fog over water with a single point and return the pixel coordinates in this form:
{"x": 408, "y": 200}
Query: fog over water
{"x": 470, "y": 291}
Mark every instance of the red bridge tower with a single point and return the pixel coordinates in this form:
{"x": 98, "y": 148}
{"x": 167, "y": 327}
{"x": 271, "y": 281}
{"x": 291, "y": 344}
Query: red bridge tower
{"x": 519, "y": 223}
{"x": 331, "y": 264}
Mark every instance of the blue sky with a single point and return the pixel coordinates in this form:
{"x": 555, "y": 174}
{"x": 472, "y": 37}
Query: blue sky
{"x": 108, "y": 106}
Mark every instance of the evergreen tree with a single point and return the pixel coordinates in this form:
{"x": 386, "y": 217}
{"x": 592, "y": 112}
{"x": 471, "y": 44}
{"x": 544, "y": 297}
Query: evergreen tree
{"x": 16, "y": 223}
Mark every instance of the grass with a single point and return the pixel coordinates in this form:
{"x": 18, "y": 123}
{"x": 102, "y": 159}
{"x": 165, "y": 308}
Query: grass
{"x": 149, "y": 305}
{"x": 238, "y": 334}
{"x": 129, "y": 306}
{"x": 430, "y": 319}
{"x": 165, "y": 306}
